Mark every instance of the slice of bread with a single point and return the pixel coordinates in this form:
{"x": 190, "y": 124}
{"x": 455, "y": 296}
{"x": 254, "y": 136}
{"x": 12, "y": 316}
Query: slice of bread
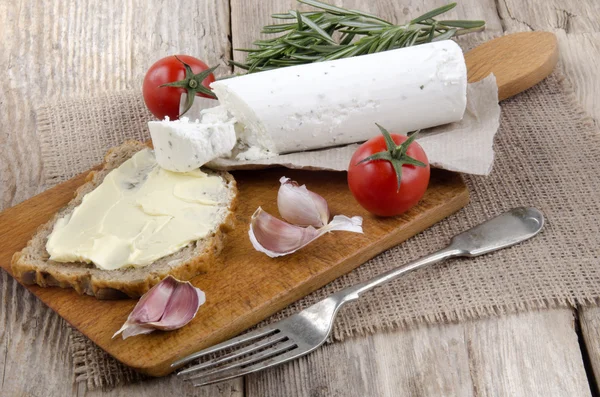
{"x": 32, "y": 264}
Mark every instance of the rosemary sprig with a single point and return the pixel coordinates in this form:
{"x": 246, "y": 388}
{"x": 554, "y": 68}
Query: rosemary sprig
{"x": 335, "y": 32}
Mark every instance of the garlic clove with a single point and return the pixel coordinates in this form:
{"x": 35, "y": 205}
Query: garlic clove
{"x": 168, "y": 305}
{"x": 300, "y": 206}
{"x": 181, "y": 309}
{"x": 275, "y": 237}
{"x": 152, "y": 304}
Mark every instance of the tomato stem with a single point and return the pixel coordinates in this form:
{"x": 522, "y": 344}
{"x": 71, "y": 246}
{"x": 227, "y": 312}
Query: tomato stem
{"x": 395, "y": 154}
{"x": 192, "y": 83}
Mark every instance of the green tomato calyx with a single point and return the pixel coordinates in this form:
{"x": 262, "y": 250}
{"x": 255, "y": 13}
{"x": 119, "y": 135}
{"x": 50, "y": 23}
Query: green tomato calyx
{"x": 395, "y": 154}
{"x": 192, "y": 84}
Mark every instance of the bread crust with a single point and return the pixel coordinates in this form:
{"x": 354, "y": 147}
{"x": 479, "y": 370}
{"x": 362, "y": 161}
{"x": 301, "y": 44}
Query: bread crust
{"x": 31, "y": 266}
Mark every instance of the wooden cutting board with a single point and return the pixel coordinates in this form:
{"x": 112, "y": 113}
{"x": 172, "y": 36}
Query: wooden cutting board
{"x": 245, "y": 286}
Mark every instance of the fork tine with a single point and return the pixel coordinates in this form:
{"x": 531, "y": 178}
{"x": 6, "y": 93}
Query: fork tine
{"x": 259, "y": 333}
{"x": 235, "y": 372}
{"x": 278, "y": 337}
{"x": 254, "y": 358}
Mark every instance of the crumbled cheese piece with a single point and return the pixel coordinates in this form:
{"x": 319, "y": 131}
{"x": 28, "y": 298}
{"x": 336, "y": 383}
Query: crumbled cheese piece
{"x": 182, "y": 146}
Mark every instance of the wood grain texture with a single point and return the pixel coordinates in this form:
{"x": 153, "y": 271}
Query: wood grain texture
{"x": 519, "y": 61}
{"x": 169, "y": 387}
{"x": 577, "y": 27}
{"x": 246, "y": 287}
{"x": 589, "y": 321}
{"x": 493, "y": 357}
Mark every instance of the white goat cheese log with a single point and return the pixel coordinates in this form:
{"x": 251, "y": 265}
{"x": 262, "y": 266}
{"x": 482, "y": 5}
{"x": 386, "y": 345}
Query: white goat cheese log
{"x": 337, "y": 102}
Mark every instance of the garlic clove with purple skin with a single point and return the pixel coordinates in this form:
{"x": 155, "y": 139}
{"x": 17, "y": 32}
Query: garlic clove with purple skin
{"x": 168, "y": 305}
{"x": 275, "y": 237}
{"x": 181, "y": 309}
{"x": 300, "y": 206}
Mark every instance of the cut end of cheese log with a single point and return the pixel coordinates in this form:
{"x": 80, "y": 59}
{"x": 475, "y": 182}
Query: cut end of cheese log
{"x": 182, "y": 146}
{"x": 338, "y": 102}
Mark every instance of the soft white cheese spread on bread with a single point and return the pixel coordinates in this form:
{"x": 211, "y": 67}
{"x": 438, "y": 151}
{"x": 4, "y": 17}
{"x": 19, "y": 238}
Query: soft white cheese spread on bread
{"x": 138, "y": 214}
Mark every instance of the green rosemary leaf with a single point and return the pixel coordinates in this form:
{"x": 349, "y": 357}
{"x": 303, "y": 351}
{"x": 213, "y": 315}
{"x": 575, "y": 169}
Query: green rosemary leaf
{"x": 305, "y": 57}
{"x": 324, "y": 6}
{"x": 434, "y": 13}
{"x": 286, "y": 62}
{"x": 326, "y": 48}
{"x": 299, "y": 22}
{"x": 358, "y": 24}
{"x": 277, "y": 30}
{"x": 364, "y": 30}
{"x": 462, "y": 24}
{"x": 384, "y": 43}
{"x": 370, "y": 16}
{"x": 431, "y": 34}
{"x": 238, "y": 64}
{"x": 397, "y": 34}
{"x": 361, "y": 48}
{"x": 248, "y": 49}
{"x": 296, "y": 44}
{"x": 347, "y": 38}
{"x": 445, "y": 36}
{"x": 283, "y": 16}
{"x": 316, "y": 28}
{"x": 373, "y": 47}
{"x": 278, "y": 26}
{"x": 337, "y": 54}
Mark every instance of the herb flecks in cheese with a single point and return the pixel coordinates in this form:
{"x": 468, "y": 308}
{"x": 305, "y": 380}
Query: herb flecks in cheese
{"x": 139, "y": 214}
{"x": 338, "y": 102}
{"x": 182, "y": 145}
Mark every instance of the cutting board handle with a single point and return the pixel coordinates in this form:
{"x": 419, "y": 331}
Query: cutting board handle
{"x": 519, "y": 61}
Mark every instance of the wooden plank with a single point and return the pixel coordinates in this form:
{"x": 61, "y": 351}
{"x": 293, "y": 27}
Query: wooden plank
{"x": 263, "y": 285}
{"x": 589, "y": 321}
{"x": 577, "y": 27}
{"x": 170, "y": 386}
{"x": 529, "y": 354}
{"x": 33, "y": 345}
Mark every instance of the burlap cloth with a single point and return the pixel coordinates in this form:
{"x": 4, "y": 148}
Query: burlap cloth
{"x": 548, "y": 156}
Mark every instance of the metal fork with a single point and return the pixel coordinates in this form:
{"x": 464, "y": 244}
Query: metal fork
{"x": 303, "y": 332}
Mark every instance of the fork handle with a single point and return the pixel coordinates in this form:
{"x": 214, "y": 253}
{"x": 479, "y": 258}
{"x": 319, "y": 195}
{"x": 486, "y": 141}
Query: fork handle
{"x": 505, "y": 230}
{"x": 353, "y": 292}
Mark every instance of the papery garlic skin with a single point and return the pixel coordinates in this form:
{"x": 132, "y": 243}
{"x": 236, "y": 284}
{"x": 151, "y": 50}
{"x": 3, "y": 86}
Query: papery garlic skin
{"x": 276, "y": 238}
{"x": 168, "y": 305}
{"x": 300, "y": 206}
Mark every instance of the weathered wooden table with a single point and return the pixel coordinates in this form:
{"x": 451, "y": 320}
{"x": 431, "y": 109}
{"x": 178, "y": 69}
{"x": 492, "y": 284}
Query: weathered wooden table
{"x": 65, "y": 47}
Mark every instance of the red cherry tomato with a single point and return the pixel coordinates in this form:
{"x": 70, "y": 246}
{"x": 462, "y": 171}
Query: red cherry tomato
{"x": 374, "y": 183}
{"x": 164, "y": 101}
